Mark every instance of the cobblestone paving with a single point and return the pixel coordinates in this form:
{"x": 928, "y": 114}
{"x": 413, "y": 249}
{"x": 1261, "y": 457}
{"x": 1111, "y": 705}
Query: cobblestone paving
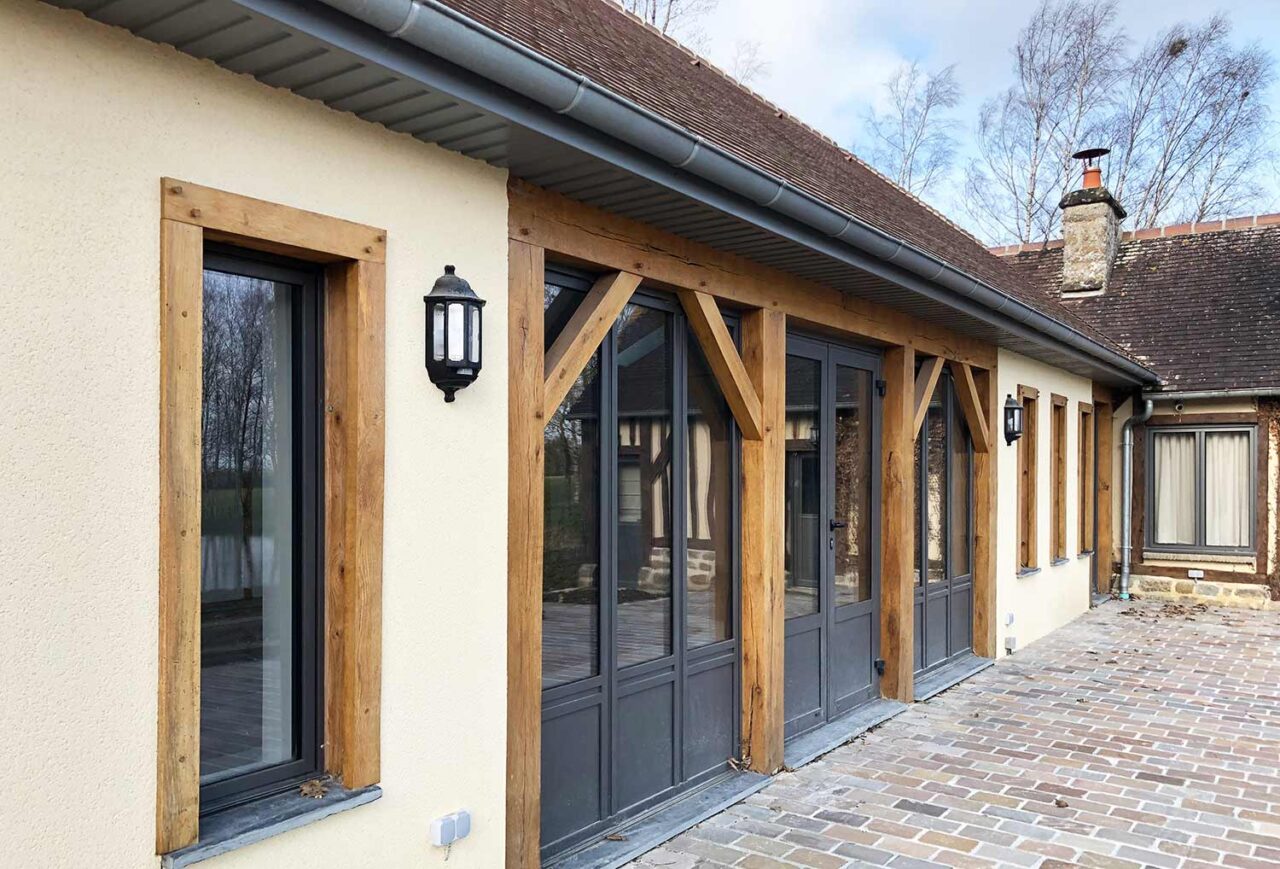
{"x": 1139, "y": 735}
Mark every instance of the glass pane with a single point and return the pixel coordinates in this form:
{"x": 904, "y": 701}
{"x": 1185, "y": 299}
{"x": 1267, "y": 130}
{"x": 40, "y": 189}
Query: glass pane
{"x": 710, "y": 527}
{"x": 473, "y": 352}
{"x": 437, "y": 331}
{"x": 644, "y": 485}
{"x": 1227, "y": 490}
{"x": 853, "y": 485}
{"x": 803, "y": 560}
{"x": 936, "y": 489}
{"x": 456, "y": 321}
{"x": 961, "y": 480}
{"x": 248, "y": 691}
{"x": 571, "y": 531}
{"x": 1174, "y": 510}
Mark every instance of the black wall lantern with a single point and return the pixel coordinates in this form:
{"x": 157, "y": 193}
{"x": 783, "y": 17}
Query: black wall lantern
{"x": 454, "y": 336}
{"x": 1012, "y": 419}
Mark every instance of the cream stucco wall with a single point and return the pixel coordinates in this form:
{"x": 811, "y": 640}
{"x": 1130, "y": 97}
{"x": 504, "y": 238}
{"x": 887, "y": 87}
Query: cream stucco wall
{"x": 1054, "y": 595}
{"x": 90, "y": 119}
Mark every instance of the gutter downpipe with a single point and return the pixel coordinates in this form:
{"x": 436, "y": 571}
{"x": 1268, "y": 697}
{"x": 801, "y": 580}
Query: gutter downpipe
{"x": 441, "y": 31}
{"x": 1126, "y": 494}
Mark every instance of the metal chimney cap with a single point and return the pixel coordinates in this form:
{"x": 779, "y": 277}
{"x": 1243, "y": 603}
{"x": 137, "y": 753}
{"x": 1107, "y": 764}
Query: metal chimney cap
{"x": 1090, "y": 154}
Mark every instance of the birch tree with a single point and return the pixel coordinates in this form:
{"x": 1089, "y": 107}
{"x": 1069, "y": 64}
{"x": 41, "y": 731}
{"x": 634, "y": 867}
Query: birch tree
{"x": 913, "y": 140}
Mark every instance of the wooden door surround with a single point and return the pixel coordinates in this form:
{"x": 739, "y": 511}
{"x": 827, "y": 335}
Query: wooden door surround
{"x": 543, "y": 226}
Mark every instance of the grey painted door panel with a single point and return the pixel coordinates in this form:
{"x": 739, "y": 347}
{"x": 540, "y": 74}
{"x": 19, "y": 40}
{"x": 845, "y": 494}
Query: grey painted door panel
{"x": 832, "y": 532}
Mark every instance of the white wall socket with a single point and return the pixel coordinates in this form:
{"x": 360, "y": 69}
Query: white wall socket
{"x": 450, "y": 828}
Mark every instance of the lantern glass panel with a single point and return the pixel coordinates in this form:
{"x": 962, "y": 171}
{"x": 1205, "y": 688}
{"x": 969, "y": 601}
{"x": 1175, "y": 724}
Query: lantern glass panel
{"x": 456, "y": 322}
{"x": 437, "y": 331}
{"x": 474, "y": 349}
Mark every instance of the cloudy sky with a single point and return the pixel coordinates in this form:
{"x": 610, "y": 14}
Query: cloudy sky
{"x": 829, "y": 58}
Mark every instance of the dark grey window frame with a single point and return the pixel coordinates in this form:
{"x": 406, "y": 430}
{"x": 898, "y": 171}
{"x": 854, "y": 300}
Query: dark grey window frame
{"x": 1200, "y": 547}
{"x": 308, "y": 527}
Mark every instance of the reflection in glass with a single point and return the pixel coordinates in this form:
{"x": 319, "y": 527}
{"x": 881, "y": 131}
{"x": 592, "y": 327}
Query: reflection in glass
{"x": 249, "y": 584}
{"x": 936, "y": 489}
{"x": 710, "y": 522}
{"x": 571, "y": 536}
{"x": 644, "y": 378}
{"x": 803, "y": 560}
{"x": 961, "y": 468}
{"x": 853, "y": 486}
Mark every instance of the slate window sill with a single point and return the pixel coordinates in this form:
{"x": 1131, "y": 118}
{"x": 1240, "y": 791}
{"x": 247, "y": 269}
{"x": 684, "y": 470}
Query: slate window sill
{"x": 1058, "y": 562}
{"x": 262, "y": 819}
{"x": 1028, "y": 571}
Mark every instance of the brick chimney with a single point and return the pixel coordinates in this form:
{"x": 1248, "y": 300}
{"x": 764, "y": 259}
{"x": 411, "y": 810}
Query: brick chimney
{"x": 1090, "y": 231}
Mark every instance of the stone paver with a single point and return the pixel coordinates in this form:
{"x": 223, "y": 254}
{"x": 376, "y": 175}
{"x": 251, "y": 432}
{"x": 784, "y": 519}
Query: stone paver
{"x": 1141, "y": 734}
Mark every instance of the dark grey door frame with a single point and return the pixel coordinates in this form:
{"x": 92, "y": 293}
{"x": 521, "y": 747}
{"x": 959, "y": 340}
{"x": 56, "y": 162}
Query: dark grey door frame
{"x": 613, "y": 685}
{"x": 831, "y": 355}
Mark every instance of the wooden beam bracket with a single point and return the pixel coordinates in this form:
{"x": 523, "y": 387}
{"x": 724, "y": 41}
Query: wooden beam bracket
{"x": 722, "y": 356}
{"x": 926, "y": 382}
{"x": 971, "y": 404}
{"x": 588, "y": 326}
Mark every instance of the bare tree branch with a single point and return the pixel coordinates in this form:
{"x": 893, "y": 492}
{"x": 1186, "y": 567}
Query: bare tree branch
{"x": 748, "y": 63}
{"x": 913, "y": 142}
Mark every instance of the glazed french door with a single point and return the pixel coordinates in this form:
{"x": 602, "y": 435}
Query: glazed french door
{"x": 640, "y": 564}
{"x": 944, "y": 532}
{"x": 831, "y": 531}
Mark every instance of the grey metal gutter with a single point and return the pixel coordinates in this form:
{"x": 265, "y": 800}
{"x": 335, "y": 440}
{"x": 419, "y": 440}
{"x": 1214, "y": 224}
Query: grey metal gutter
{"x": 1192, "y": 395}
{"x": 435, "y": 28}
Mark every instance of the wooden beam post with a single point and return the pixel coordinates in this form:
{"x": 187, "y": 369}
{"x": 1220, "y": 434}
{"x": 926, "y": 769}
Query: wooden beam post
{"x": 897, "y": 501}
{"x": 926, "y": 381}
{"x": 178, "y": 710}
{"x": 577, "y": 343}
{"x": 707, "y": 324}
{"x": 525, "y": 423}
{"x": 764, "y": 348}
{"x": 985, "y": 494}
{"x": 972, "y": 406}
{"x": 1104, "y": 555}
{"x": 362, "y": 586}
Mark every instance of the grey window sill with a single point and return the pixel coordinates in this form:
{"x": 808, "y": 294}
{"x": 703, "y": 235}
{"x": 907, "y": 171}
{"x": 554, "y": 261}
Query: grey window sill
{"x": 1058, "y": 562}
{"x": 1028, "y": 571}
{"x": 262, "y": 819}
{"x": 1088, "y": 553}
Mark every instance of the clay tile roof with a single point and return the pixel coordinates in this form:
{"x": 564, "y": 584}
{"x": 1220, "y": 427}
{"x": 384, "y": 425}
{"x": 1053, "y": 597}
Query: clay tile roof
{"x": 1200, "y": 306}
{"x": 598, "y": 39}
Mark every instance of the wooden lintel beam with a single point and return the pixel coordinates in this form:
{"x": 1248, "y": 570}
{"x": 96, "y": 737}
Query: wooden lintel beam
{"x": 582, "y": 335}
{"x": 722, "y": 356}
{"x": 574, "y": 232}
{"x": 971, "y": 404}
{"x": 926, "y": 381}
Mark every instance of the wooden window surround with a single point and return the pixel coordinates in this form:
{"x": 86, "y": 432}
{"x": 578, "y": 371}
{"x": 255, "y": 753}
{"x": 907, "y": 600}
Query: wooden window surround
{"x": 1027, "y": 501}
{"x": 1087, "y": 482}
{"x": 353, "y": 359}
{"x": 1058, "y": 460}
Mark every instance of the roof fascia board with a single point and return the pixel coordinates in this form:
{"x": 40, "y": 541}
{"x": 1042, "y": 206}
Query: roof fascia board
{"x": 480, "y": 66}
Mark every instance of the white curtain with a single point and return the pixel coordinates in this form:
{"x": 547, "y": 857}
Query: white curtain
{"x": 1175, "y": 487}
{"x": 1227, "y": 490}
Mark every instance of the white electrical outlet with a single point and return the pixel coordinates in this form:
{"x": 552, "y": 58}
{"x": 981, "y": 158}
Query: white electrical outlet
{"x": 1008, "y": 618}
{"x": 450, "y": 828}
{"x": 1010, "y": 644}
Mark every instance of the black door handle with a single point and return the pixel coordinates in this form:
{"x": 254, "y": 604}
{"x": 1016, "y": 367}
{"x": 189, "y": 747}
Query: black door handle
{"x": 837, "y": 523}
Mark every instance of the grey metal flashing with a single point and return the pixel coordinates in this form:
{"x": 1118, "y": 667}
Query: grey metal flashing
{"x": 808, "y": 747}
{"x": 448, "y": 34}
{"x": 949, "y": 675}
{"x": 665, "y": 822}
{"x": 262, "y": 819}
